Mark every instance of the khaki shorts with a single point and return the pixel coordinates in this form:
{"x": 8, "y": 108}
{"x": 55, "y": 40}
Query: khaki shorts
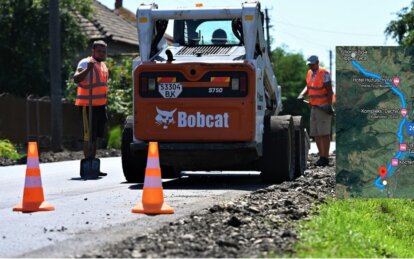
{"x": 320, "y": 123}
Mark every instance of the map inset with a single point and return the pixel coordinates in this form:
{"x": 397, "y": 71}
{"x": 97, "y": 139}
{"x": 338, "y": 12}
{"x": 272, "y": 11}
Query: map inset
{"x": 375, "y": 122}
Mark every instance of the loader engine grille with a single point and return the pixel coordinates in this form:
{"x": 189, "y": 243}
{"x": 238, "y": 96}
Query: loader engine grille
{"x": 204, "y": 50}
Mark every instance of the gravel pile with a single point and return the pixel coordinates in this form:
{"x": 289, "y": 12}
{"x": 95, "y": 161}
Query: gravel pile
{"x": 47, "y": 157}
{"x": 250, "y": 226}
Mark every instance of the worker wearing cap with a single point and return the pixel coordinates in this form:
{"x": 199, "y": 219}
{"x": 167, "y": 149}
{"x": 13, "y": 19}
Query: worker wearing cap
{"x": 97, "y": 67}
{"x": 319, "y": 90}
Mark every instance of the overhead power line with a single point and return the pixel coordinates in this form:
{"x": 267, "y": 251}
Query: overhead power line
{"x": 304, "y": 39}
{"x": 328, "y": 31}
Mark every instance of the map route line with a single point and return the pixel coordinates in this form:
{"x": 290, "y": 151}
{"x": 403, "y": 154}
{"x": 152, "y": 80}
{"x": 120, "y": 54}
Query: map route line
{"x": 401, "y": 154}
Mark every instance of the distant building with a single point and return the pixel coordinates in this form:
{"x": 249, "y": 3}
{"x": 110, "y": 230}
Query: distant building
{"x": 111, "y": 26}
{"x": 125, "y": 13}
{"x": 131, "y": 17}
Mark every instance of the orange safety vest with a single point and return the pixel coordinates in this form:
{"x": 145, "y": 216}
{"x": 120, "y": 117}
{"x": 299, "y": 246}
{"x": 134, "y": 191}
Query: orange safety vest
{"x": 318, "y": 94}
{"x": 99, "y": 87}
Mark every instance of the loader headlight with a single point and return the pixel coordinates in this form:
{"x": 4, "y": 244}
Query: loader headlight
{"x": 151, "y": 84}
{"x": 235, "y": 84}
{"x": 239, "y": 84}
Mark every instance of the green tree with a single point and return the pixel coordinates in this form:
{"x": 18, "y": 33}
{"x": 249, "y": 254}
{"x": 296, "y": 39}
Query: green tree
{"x": 24, "y": 43}
{"x": 120, "y": 87}
{"x": 290, "y": 70}
{"x": 402, "y": 29}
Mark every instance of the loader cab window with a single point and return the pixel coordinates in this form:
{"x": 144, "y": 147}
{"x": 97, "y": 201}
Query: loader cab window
{"x": 204, "y": 32}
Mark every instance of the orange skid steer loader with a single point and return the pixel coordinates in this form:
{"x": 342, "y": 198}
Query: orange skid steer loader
{"x": 210, "y": 98}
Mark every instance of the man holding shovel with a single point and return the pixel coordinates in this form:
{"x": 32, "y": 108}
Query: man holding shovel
{"x": 319, "y": 89}
{"x": 91, "y": 78}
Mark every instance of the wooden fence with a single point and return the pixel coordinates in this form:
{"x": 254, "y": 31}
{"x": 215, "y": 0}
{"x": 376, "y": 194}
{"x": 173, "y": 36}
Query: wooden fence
{"x": 22, "y": 119}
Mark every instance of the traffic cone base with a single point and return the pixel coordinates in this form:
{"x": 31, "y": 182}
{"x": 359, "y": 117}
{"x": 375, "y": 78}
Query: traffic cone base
{"x": 33, "y": 198}
{"x": 153, "y": 195}
{"x": 32, "y": 207}
{"x": 147, "y": 209}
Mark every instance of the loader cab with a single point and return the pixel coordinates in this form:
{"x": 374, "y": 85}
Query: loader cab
{"x": 206, "y": 32}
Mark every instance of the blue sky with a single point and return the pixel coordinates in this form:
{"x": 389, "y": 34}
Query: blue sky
{"x": 312, "y": 27}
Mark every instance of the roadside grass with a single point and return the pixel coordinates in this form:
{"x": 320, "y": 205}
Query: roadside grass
{"x": 8, "y": 150}
{"x": 114, "y": 137}
{"x": 359, "y": 228}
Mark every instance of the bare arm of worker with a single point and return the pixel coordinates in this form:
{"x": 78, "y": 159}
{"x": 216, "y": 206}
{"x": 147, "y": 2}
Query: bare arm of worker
{"x": 80, "y": 74}
{"x": 328, "y": 87}
{"x": 302, "y": 94}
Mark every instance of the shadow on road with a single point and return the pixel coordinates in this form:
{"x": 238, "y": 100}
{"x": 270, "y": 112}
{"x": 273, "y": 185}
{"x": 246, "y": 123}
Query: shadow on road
{"x": 80, "y": 179}
{"x": 211, "y": 182}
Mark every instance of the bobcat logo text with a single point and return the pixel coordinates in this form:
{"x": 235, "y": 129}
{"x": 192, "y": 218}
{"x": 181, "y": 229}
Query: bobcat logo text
{"x": 187, "y": 120}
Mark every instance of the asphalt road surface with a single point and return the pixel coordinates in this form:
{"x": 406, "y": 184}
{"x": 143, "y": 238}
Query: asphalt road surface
{"x": 95, "y": 213}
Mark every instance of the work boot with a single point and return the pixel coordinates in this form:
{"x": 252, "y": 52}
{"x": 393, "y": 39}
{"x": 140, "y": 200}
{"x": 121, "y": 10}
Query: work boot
{"x": 323, "y": 161}
{"x": 102, "y": 174}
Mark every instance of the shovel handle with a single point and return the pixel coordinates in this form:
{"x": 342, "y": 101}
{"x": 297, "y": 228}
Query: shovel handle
{"x": 90, "y": 112}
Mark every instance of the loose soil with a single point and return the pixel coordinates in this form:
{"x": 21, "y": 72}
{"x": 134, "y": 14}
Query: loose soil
{"x": 260, "y": 224}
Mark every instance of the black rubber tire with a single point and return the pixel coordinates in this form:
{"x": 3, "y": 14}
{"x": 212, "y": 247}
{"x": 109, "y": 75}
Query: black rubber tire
{"x": 168, "y": 172}
{"x": 300, "y": 156}
{"x": 278, "y": 160}
{"x": 133, "y": 164}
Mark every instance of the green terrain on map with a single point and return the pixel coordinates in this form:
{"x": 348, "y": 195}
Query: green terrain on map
{"x": 368, "y": 117}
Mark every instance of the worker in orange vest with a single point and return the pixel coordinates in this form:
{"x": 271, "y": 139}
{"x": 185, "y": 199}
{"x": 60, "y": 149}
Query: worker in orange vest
{"x": 319, "y": 90}
{"x": 92, "y": 65}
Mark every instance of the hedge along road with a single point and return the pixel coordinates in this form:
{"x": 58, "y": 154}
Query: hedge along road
{"x": 95, "y": 213}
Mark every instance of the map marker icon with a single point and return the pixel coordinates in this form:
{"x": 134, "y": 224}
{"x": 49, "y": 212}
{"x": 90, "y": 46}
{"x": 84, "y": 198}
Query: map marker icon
{"x": 394, "y": 162}
{"x": 396, "y": 81}
{"x": 403, "y": 112}
{"x": 382, "y": 171}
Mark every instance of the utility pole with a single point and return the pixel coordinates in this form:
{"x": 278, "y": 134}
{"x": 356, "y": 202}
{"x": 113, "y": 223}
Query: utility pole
{"x": 269, "y": 51}
{"x": 55, "y": 75}
{"x": 330, "y": 61}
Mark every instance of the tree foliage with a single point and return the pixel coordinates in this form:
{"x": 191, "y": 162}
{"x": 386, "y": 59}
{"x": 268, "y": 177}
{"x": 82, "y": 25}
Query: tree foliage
{"x": 290, "y": 70}
{"x": 402, "y": 29}
{"x": 8, "y": 150}
{"x": 120, "y": 87}
{"x": 24, "y": 43}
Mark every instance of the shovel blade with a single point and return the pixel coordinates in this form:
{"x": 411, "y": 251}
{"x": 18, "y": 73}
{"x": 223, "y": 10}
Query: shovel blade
{"x": 90, "y": 168}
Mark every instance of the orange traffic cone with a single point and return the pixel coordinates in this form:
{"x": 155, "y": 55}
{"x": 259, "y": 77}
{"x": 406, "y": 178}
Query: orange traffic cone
{"x": 33, "y": 199}
{"x": 153, "y": 197}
